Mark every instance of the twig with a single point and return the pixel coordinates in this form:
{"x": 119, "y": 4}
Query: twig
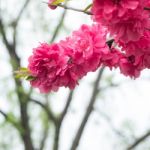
{"x": 45, "y": 107}
{"x": 45, "y": 135}
{"x": 57, "y": 29}
{"x": 74, "y": 9}
{"x": 22, "y": 96}
{"x": 60, "y": 121}
{"x": 4, "y": 114}
{"x": 69, "y": 99}
{"x": 109, "y": 122}
{"x": 139, "y": 140}
{"x": 71, "y": 8}
{"x": 15, "y": 23}
{"x": 88, "y": 111}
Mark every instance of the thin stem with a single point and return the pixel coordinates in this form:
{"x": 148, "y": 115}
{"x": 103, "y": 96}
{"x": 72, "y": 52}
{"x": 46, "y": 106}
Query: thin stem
{"x": 60, "y": 121}
{"x": 73, "y": 9}
{"x": 139, "y": 141}
{"x": 58, "y": 27}
{"x": 88, "y": 111}
{"x": 46, "y": 108}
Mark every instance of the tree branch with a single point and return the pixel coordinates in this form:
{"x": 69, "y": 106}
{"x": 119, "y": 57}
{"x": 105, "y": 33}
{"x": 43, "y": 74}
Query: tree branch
{"x": 45, "y": 135}
{"x": 109, "y": 122}
{"x": 47, "y": 110}
{"x": 69, "y": 99}
{"x": 3, "y": 114}
{"x": 57, "y": 29}
{"x": 71, "y": 8}
{"x": 139, "y": 141}
{"x": 15, "y": 23}
{"x": 22, "y": 96}
{"x": 60, "y": 121}
{"x": 88, "y": 111}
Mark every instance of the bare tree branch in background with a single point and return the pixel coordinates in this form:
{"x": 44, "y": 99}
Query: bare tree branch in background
{"x": 47, "y": 110}
{"x": 71, "y": 8}
{"x": 22, "y": 96}
{"x": 45, "y": 135}
{"x": 88, "y": 111}
{"x": 109, "y": 122}
{"x": 60, "y": 120}
{"x": 16, "y": 22}
{"x": 58, "y": 27}
{"x": 139, "y": 141}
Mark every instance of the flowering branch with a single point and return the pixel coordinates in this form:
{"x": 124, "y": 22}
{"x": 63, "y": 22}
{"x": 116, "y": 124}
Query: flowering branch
{"x": 71, "y": 8}
{"x": 80, "y": 10}
{"x": 60, "y": 120}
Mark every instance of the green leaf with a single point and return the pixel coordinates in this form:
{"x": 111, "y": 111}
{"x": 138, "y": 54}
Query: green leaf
{"x": 23, "y": 69}
{"x": 56, "y": 2}
{"x": 24, "y": 73}
{"x": 30, "y": 78}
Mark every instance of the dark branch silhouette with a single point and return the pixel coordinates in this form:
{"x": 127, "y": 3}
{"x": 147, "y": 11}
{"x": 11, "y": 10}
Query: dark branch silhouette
{"x": 139, "y": 141}
{"x": 88, "y": 111}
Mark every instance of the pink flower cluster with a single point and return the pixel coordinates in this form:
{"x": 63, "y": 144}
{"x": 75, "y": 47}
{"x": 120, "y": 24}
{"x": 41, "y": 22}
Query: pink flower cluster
{"x": 126, "y": 20}
{"x": 66, "y": 62}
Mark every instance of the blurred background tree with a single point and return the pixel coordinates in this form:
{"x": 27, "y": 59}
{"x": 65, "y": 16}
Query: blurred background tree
{"x": 107, "y": 111}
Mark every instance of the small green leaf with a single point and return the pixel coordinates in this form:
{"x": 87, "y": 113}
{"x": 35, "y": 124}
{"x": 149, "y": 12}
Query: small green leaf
{"x": 23, "y": 69}
{"x": 24, "y": 73}
{"x": 30, "y": 78}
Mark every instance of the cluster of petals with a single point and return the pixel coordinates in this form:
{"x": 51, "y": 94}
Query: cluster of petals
{"x": 64, "y": 63}
{"x": 126, "y": 20}
{"x": 139, "y": 49}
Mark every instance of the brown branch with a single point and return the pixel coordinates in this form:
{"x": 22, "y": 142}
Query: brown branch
{"x": 16, "y": 21}
{"x": 57, "y": 29}
{"x": 26, "y": 135}
{"x": 47, "y": 110}
{"x": 74, "y": 9}
{"x": 69, "y": 99}
{"x": 60, "y": 121}
{"x": 111, "y": 125}
{"x": 71, "y": 8}
{"x": 3, "y": 114}
{"x": 45, "y": 135}
{"x": 80, "y": 10}
{"x": 139, "y": 141}
{"x": 88, "y": 111}
{"x": 22, "y": 11}
{"x": 10, "y": 47}
{"x": 22, "y": 96}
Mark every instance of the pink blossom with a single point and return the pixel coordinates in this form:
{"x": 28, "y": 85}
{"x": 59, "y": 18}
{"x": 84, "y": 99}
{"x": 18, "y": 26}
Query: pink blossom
{"x": 48, "y": 65}
{"x": 137, "y": 48}
{"x": 112, "y": 58}
{"x": 64, "y": 63}
{"x": 125, "y": 19}
{"x": 131, "y": 66}
{"x": 88, "y": 44}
